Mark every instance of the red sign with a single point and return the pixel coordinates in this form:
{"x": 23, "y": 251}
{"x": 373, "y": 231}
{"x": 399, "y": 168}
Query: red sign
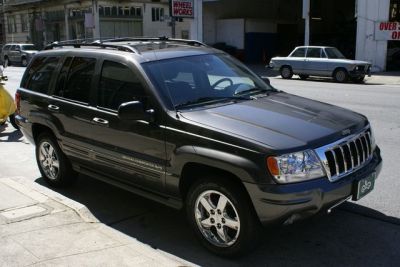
{"x": 387, "y": 31}
{"x": 182, "y": 8}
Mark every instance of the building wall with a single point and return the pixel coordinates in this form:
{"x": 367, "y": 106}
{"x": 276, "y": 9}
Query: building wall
{"x": 370, "y": 12}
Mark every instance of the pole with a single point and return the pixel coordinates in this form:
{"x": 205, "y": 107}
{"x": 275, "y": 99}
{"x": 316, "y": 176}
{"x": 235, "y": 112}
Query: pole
{"x": 306, "y": 17}
{"x": 173, "y": 24}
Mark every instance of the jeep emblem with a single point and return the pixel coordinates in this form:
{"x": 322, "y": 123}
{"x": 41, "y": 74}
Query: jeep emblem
{"x": 346, "y": 132}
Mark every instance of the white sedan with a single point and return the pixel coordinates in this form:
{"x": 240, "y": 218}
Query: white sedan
{"x": 321, "y": 61}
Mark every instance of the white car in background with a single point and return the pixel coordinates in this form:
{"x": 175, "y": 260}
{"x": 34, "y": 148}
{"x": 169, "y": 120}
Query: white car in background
{"x": 321, "y": 61}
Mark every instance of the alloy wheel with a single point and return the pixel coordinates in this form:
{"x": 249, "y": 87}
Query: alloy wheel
{"x": 217, "y": 218}
{"x": 49, "y": 161}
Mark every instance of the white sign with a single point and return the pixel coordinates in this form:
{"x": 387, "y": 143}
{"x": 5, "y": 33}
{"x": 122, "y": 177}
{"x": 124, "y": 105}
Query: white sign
{"x": 387, "y": 31}
{"x": 182, "y": 8}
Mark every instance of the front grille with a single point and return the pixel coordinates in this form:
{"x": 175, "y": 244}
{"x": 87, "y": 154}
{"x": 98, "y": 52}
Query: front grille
{"x": 360, "y": 67}
{"x": 347, "y": 155}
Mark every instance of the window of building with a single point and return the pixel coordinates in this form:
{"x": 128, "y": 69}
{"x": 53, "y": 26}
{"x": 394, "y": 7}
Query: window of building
{"x": 118, "y": 84}
{"x": 157, "y": 14}
{"x": 24, "y": 22}
{"x": 38, "y": 77}
{"x": 394, "y": 14}
{"x": 79, "y": 80}
{"x": 11, "y": 24}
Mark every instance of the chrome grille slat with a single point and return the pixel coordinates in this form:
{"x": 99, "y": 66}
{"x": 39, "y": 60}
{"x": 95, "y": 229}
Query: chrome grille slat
{"x": 347, "y": 155}
{"x": 344, "y": 159}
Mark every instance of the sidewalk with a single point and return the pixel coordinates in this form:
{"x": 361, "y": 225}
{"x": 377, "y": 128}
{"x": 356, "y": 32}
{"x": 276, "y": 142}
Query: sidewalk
{"x": 378, "y": 78}
{"x": 40, "y": 227}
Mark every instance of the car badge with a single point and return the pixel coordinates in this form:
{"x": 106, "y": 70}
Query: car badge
{"x": 346, "y": 132}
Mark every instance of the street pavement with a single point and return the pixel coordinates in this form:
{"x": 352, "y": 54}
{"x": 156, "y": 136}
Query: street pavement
{"x": 94, "y": 223}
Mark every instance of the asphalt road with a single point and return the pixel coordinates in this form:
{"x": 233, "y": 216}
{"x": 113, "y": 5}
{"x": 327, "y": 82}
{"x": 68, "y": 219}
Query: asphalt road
{"x": 364, "y": 233}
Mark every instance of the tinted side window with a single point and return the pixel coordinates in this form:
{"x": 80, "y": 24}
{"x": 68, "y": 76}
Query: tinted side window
{"x": 118, "y": 84}
{"x": 37, "y": 78}
{"x": 62, "y": 77}
{"x": 300, "y": 52}
{"x": 79, "y": 80}
{"x": 314, "y": 52}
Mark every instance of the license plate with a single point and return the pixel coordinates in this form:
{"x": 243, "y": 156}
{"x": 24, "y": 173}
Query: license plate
{"x": 365, "y": 186}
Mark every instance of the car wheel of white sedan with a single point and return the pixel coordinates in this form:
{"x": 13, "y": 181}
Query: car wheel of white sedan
{"x": 341, "y": 75}
{"x": 286, "y": 72}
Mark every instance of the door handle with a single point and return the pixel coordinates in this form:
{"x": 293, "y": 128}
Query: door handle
{"x": 100, "y": 121}
{"x": 53, "y": 108}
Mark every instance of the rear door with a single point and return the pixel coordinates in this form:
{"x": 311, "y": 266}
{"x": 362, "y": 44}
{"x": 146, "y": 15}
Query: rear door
{"x": 71, "y": 106}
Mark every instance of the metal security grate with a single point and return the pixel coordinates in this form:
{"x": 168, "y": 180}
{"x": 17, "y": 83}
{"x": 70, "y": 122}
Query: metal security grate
{"x": 347, "y": 155}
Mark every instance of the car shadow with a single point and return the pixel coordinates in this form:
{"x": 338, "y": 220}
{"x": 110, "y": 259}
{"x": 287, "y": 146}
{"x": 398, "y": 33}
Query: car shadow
{"x": 10, "y": 136}
{"x": 352, "y": 235}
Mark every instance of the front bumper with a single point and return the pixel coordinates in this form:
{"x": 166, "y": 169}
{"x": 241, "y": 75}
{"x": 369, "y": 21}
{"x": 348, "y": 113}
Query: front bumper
{"x": 356, "y": 73}
{"x": 277, "y": 203}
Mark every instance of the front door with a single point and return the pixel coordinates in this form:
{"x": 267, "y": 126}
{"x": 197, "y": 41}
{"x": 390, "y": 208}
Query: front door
{"x": 315, "y": 62}
{"x": 133, "y": 149}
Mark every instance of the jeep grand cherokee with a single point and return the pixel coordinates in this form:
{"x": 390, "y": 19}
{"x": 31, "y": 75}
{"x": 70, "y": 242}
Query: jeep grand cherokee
{"x": 189, "y": 126}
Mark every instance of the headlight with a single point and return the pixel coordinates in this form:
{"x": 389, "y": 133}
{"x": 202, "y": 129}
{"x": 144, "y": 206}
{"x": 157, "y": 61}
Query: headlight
{"x": 295, "y": 167}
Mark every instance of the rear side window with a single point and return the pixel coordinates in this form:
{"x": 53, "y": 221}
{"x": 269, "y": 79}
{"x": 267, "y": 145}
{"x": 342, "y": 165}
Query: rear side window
{"x": 37, "y": 78}
{"x": 78, "y": 84}
{"x": 300, "y": 52}
{"x": 118, "y": 84}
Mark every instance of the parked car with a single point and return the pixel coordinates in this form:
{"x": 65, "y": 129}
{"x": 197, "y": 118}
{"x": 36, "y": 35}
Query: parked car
{"x": 189, "y": 126}
{"x": 18, "y": 54}
{"x": 321, "y": 61}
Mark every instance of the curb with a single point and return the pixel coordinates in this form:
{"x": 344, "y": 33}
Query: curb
{"x": 41, "y": 194}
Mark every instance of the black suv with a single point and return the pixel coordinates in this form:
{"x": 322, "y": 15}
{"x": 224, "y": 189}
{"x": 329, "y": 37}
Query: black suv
{"x": 189, "y": 126}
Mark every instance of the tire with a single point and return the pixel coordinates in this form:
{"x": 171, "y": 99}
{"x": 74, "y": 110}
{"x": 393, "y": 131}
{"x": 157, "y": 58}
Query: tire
{"x": 244, "y": 231}
{"x": 286, "y": 72}
{"x": 340, "y": 75}
{"x": 54, "y": 166}
{"x": 24, "y": 62}
{"x": 304, "y": 76}
{"x": 13, "y": 122}
{"x": 6, "y": 62}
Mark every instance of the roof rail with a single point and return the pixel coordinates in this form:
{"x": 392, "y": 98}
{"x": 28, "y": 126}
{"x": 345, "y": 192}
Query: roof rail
{"x": 149, "y": 39}
{"x": 125, "y": 48}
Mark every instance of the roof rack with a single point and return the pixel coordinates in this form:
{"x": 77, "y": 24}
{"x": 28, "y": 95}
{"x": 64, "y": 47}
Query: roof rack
{"x": 149, "y": 39}
{"x": 125, "y": 48}
{"x": 105, "y": 43}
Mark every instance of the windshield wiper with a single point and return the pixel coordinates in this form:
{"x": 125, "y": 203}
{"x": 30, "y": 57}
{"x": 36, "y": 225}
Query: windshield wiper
{"x": 203, "y": 100}
{"x": 251, "y": 90}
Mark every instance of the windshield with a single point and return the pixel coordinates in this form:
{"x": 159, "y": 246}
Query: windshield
{"x": 334, "y": 53}
{"x": 205, "y": 79}
{"x": 28, "y": 47}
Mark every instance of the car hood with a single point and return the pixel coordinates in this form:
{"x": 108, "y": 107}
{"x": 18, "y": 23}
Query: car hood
{"x": 280, "y": 121}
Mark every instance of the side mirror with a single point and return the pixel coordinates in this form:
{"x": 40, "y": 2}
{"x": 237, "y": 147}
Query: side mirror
{"x": 134, "y": 110}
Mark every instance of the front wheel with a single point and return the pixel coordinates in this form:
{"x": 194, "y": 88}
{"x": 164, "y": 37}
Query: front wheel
{"x": 221, "y": 217}
{"x": 53, "y": 164}
{"x": 24, "y": 62}
{"x": 341, "y": 75}
{"x": 286, "y": 72}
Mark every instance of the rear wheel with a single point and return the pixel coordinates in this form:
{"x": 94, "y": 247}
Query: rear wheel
{"x": 220, "y": 215}
{"x": 340, "y": 75}
{"x": 286, "y": 72}
{"x": 304, "y": 76}
{"x": 13, "y": 122}
{"x": 53, "y": 164}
